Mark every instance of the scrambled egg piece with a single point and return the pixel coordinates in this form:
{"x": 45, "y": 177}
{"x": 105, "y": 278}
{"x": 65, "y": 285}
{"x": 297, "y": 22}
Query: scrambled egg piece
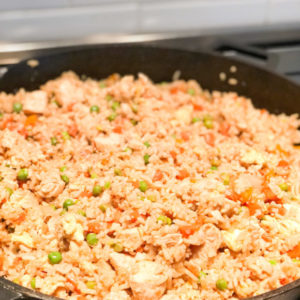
{"x": 88, "y": 267}
{"x": 23, "y": 238}
{"x": 120, "y": 295}
{"x": 293, "y": 211}
{"x": 253, "y": 157}
{"x": 71, "y": 227}
{"x": 35, "y": 102}
{"x": 285, "y": 227}
{"x": 148, "y": 280}
{"x": 131, "y": 238}
{"x": 231, "y": 239}
{"x": 184, "y": 115}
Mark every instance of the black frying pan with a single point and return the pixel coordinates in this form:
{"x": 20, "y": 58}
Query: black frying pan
{"x": 267, "y": 90}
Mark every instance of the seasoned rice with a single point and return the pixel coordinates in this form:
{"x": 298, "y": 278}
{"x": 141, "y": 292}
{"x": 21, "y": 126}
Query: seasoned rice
{"x": 147, "y": 191}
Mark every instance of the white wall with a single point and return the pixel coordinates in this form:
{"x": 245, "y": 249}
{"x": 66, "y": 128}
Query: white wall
{"x": 31, "y": 20}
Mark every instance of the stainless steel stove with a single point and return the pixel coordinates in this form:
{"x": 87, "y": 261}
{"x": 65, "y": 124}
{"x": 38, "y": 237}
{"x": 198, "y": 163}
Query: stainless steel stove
{"x": 274, "y": 49}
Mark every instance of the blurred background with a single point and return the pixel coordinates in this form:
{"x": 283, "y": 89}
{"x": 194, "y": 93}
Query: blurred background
{"x": 40, "y": 20}
{"x": 262, "y": 32}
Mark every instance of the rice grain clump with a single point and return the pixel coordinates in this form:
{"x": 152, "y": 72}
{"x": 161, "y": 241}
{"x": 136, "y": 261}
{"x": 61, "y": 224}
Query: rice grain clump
{"x": 126, "y": 189}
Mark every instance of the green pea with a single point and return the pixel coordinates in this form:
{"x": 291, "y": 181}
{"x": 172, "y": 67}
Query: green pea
{"x": 284, "y": 187}
{"x": 57, "y": 103}
{"x": 208, "y": 122}
{"x": 55, "y": 257}
{"x": 117, "y": 247}
{"x": 112, "y": 117}
{"x": 67, "y": 203}
{"x": 92, "y": 239}
{"x": 133, "y": 122}
{"x": 66, "y": 135}
{"x": 273, "y": 262}
{"x": 103, "y": 207}
{"x": 151, "y": 198}
{"x": 97, "y": 190}
{"x": 17, "y": 107}
{"x": 32, "y": 282}
{"x": 196, "y": 119}
{"x": 65, "y": 178}
{"x": 226, "y": 179}
{"x": 63, "y": 168}
{"x": 95, "y": 108}
{"x": 127, "y": 149}
{"x": 134, "y": 108}
{"x": 9, "y": 190}
{"x": 117, "y": 172}
{"x": 93, "y": 174}
{"x": 296, "y": 261}
{"x": 201, "y": 275}
{"x": 22, "y": 175}
{"x": 1, "y": 115}
{"x": 221, "y": 284}
{"x": 115, "y": 105}
{"x": 143, "y": 186}
{"x": 91, "y": 285}
{"x": 191, "y": 92}
{"x": 82, "y": 213}
{"x": 108, "y": 97}
{"x": 164, "y": 220}
{"x": 107, "y": 185}
{"x": 147, "y": 144}
{"x": 146, "y": 158}
{"x": 102, "y": 84}
{"x": 54, "y": 141}
{"x": 214, "y": 168}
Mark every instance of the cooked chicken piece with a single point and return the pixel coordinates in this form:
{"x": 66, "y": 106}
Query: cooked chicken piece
{"x": 72, "y": 228}
{"x": 108, "y": 143}
{"x": 9, "y": 138}
{"x": 120, "y": 295}
{"x": 23, "y": 238}
{"x": 121, "y": 262}
{"x": 211, "y": 239}
{"x": 68, "y": 91}
{"x": 107, "y": 274}
{"x": 131, "y": 238}
{"x": 51, "y": 185}
{"x": 148, "y": 280}
{"x": 35, "y": 102}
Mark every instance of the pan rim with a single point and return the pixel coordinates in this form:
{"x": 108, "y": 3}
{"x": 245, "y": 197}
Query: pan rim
{"x": 7, "y": 284}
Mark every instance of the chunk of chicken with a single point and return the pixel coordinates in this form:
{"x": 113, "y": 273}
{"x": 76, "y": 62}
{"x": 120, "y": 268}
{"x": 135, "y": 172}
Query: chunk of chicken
{"x": 108, "y": 143}
{"x": 50, "y": 186}
{"x": 130, "y": 238}
{"x": 68, "y": 90}
{"x": 121, "y": 262}
{"x": 148, "y": 280}
{"x": 72, "y": 228}
{"x": 23, "y": 238}
{"x": 35, "y": 102}
{"x": 107, "y": 274}
{"x": 120, "y": 295}
{"x": 9, "y": 138}
{"x": 210, "y": 238}
{"x": 184, "y": 114}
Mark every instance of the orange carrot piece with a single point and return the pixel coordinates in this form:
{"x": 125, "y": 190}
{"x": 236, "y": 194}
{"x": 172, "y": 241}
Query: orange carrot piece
{"x": 158, "y": 175}
{"x": 295, "y": 252}
{"x": 182, "y": 174}
{"x": 31, "y": 120}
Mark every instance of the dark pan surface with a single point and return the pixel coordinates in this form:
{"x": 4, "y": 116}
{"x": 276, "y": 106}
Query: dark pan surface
{"x": 267, "y": 90}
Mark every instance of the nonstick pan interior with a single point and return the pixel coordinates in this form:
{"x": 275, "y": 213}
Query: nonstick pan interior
{"x": 267, "y": 90}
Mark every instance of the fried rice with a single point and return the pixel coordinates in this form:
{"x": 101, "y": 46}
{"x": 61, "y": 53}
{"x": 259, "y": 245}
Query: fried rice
{"x": 125, "y": 189}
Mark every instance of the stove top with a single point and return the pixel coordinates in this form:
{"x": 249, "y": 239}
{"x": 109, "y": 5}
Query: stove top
{"x": 277, "y": 50}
